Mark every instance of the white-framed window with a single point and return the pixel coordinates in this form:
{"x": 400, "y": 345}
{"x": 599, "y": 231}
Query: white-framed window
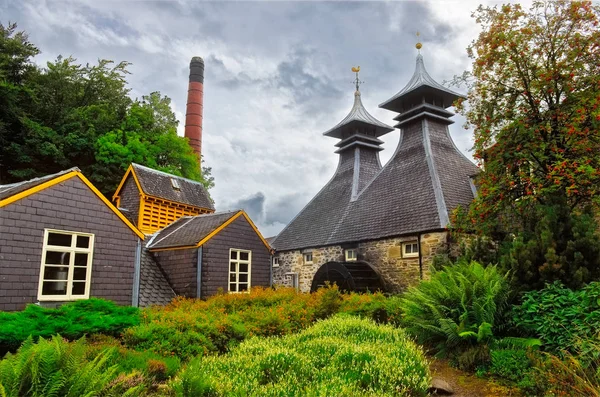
{"x": 410, "y": 249}
{"x": 275, "y": 261}
{"x": 351, "y": 254}
{"x": 240, "y": 262}
{"x": 66, "y": 269}
{"x": 308, "y": 258}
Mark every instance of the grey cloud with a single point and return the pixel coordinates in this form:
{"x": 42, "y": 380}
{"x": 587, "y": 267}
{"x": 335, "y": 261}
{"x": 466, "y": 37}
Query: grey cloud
{"x": 253, "y": 205}
{"x": 285, "y": 208}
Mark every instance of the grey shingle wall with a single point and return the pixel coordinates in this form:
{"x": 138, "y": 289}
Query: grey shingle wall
{"x": 215, "y": 262}
{"x": 130, "y": 200}
{"x": 69, "y": 206}
{"x": 154, "y": 288}
{"x": 180, "y": 268}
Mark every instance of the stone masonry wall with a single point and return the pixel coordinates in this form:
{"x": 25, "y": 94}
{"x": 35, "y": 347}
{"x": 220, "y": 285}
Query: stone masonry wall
{"x": 384, "y": 255}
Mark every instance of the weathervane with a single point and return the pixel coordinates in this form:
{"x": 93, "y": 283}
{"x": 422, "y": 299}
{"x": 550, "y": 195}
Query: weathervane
{"x": 357, "y": 82}
{"x": 418, "y": 45}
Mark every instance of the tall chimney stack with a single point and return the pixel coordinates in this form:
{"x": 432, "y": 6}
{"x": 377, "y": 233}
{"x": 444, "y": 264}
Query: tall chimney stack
{"x": 193, "y": 115}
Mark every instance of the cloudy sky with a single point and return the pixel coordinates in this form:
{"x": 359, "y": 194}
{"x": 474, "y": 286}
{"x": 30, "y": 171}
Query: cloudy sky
{"x": 277, "y": 76}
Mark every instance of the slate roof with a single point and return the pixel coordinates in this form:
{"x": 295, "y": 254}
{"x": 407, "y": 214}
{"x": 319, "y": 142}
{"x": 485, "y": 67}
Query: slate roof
{"x": 358, "y": 115}
{"x": 189, "y": 230}
{"x": 154, "y": 287}
{"x": 158, "y": 184}
{"x": 18, "y": 187}
{"x": 420, "y": 82}
{"x": 414, "y": 192}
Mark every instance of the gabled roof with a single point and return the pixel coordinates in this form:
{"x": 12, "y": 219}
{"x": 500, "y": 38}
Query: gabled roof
{"x": 16, "y": 191}
{"x": 358, "y": 116}
{"x": 18, "y": 187}
{"x": 194, "y": 231}
{"x": 420, "y": 83}
{"x": 160, "y": 184}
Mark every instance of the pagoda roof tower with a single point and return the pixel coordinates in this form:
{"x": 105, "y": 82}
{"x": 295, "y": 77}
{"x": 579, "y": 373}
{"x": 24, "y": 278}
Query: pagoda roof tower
{"x": 426, "y": 178}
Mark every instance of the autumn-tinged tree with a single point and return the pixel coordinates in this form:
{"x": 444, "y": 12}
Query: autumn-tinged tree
{"x": 534, "y": 105}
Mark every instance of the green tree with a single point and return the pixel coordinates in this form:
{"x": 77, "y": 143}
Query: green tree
{"x": 68, "y": 114}
{"x": 534, "y": 105}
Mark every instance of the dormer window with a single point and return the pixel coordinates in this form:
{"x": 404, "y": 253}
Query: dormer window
{"x": 175, "y": 184}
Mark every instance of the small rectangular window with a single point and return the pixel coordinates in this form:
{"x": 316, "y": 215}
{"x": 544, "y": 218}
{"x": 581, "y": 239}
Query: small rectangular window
{"x": 308, "y": 258}
{"x": 351, "y": 254}
{"x": 239, "y": 270}
{"x": 410, "y": 249}
{"x": 66, "y": 267}
{"x": 175, "y": 184}
{"x": 275, "y": 261}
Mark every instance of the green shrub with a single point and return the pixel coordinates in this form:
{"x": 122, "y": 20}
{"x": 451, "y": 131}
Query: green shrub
{"x": 563, "y": 319}
{"x": 72, "y": 320}
{"x": 341, "y": 356}
{"x": 58, "y": 368}
{"x": 510, "y": 364}
{"x": 458, "y": 311}
{"x": 189, "y": 327}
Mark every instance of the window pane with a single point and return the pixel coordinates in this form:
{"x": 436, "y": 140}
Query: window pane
{"x": 63, "y": 240}
{"x": 56, "y": 273}
{"x": 54, "y": 288}
{"x": 234, "y": 254}
{"x": 232, "y": 267}
{"x": 232, "y": 277}
{"x": 415, "y": 248}
{"x": 79, "y": 273}
{"x": 78, "y": 288}
{"x": 81, "y": 259}
{"x": 244, "y": 256}
{"x": 83, "y": 241}
{"x": 243, "y": 287}
{"x": 57, "y": 258}
{"x": 243, "y": 268}
{"x": 232, "y": 287}
{"x": 243, "y": 278}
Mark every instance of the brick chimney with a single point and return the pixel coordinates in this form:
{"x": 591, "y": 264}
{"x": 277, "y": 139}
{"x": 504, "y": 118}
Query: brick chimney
{"x": 193, "y": 115}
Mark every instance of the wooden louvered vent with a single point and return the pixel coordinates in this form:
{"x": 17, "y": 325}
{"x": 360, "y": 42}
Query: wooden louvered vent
{"x": 156, "y": 213}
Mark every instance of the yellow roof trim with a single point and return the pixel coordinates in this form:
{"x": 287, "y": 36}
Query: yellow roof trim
{"x": 129, "y": 170}
{"x": 63, "y": 178}
{"x": 38, "y": 188}
{"x": 111, "y": 206}
{"x": 257, "y": 232}
{"x": 217, "y": 231}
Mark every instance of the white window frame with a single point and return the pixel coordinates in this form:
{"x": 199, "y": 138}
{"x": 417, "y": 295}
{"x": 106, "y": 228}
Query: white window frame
{"x": 237, "y": 272}
{"x": 275, "y": 261}
{"x": 351, "y": 255}
{"x": 306, "y": 260}
{"x": 72, "y": 250}
{"x": 412, "y": 253}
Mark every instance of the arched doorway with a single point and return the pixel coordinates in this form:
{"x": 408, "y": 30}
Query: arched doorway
{"x": 348, "y": 276}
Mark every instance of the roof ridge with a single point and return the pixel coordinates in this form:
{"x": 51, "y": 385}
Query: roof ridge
{"x": 171, "y": 232}
{"x": 37, "y": 178}
{"x": 166, "y": 173}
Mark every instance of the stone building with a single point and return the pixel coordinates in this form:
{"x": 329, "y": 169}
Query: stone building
{"x": 373, "y": 227}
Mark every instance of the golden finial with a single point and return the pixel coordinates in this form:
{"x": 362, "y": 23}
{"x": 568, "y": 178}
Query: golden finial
{"x": 418, "y": 45}
{"x": 357, "y": 82}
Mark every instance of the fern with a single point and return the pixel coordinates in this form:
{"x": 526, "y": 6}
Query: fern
{"x": 57, "y": 368}
{"x": 458, "y": 310}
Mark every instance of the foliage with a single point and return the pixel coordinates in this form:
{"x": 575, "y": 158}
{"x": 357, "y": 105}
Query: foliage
{"x": 458, "y": 311}
{"x": 534, "y": 104}
{"x": 341, "y": 356}
{"x": 189, "y": 327}
{"x": 560, "y": 317}
{"x": 58, "y": 368}
{"x": 68, "y": 114}
{"x": 516, "y": 366}
{"x": 71, "y": 320}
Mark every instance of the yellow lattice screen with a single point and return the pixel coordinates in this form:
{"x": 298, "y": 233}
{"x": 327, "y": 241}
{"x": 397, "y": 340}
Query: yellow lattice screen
{"x": 156, "y": 214}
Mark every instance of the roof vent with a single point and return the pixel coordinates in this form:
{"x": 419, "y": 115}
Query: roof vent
{"x": 175, "y": 184}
